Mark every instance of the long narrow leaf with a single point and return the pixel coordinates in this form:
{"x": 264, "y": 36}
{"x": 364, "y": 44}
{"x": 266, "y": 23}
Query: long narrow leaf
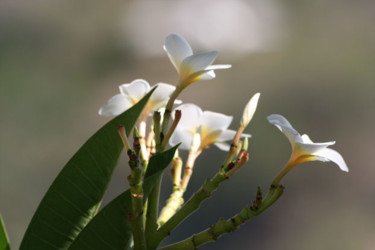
{"x": 4, "y": 241}
{"x": 74, "y": 196}
{"x": 110, "y": 229}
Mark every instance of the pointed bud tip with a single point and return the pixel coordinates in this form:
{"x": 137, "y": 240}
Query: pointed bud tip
{"x": 250, "y": 110}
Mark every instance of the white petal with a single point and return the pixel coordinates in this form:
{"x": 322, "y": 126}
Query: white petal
{"x": 163, "y": 91}
{"x": 185, "y": 137}
{"x": 177, "y": 101}
{"x": 306, "y": 139}
{"x": 222, "y": 146}
{"x": 215, "y": 120}
{"x": 135, "y": 90}
{"x": 333, "y": 156}
{"x": 190, "y": 116}
{"x": 311, "y": 148}
{"x": 198, "y": 62}
{"x": 115, "y": 106}
{"x": 286, "y": 128}
{"x": 177, "y": 49}
{"x": 226, "y": 135}
{"x": 208, "y": 75}
{"x": 219, "y": 66}
{"x": 280, "y": 120}
{"x": 159, "y": 97}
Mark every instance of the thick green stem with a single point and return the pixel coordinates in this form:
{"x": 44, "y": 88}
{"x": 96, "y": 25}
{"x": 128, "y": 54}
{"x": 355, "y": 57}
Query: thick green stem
{"x": 174, "y": 202}
{"x": 227, "y": 226}
{"x": 152, "y": 211}
{"x": 136, "y": 215}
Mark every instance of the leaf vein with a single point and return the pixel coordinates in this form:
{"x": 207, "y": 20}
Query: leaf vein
{"x": 86, "y": 177}
{"x": 79, "y": 189}
{"x": 96, "y": 164}
{"x": 78, "y": 209}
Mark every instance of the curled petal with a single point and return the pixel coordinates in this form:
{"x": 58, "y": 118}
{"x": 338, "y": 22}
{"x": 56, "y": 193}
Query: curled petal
{"x": 177, "y": 49}
{"x": 333, "y": 156}
{"x": 219, "y": 66}
{"x": 198, "y": 62}
{"x": 286, "y": 128}
{"x": 135, "y": 90}
{"x": 116, "y": 105}
{"x": 207, "y": 75}
{"x": 204, "y": 74}
{"x": 311, "y": 148}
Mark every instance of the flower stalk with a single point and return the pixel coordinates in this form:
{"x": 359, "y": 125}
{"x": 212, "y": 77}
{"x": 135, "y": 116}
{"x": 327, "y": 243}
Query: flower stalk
{"x": 189, "y": 207}
{"x": 230, "y": 225}
{"x": 135, "y": 179}
{"x": 176, "y": 200}
{"x": 172, "y": 128}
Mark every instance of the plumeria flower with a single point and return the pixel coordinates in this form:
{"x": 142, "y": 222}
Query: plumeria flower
{"x": 190, "y": 67}
{"x": 131, "y": 93}
{"x": 198, "y": 129}
{"x": 303, "y": 149}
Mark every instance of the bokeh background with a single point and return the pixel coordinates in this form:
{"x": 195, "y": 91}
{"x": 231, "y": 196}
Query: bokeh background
{"x": 313, "y": 62}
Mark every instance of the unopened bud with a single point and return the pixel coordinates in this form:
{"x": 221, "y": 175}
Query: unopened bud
{"x": 249, "y": 110}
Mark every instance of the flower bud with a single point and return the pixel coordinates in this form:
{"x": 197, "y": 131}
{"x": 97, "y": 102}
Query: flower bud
{"x": 249, "y": 110}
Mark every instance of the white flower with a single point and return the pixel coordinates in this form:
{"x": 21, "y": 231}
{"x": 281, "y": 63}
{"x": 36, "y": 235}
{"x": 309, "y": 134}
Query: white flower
{"x": 191, "y": 67}
{"x": 131, "y": 93}
{"x": 198, "y": 129}
{"x": 303, "y": 149}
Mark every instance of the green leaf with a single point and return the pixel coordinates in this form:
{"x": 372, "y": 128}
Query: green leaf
{"x": 110, "y": 229}
{"x": 75, "y": 195}
{"x": 4, "y": 241}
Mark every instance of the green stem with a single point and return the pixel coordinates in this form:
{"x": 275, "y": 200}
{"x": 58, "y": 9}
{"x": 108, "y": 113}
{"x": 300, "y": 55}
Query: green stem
{"x": 282, "y": 173}
{"x": 152, "y": 211}
{"x": 168, "y": 109}
{"x": 145, "y": 205}
{"x": 190, "y": 206}
{"x": 227, "y": 226}
{"x": 174, "y": 202}
{"x": 136, "y": 215}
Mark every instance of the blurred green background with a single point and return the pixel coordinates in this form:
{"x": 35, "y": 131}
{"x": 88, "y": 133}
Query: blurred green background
{"x": 313, "y": 62}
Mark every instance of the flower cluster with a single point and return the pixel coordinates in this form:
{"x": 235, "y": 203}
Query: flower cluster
{"x": 195, "y": 130}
